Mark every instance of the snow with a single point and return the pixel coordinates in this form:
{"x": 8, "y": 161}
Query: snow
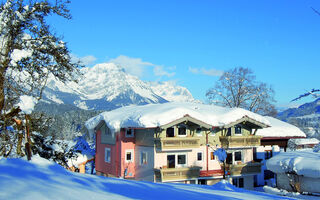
{"x": 170, "y": 91}
{"x": 304, "y": 163}
{"x": 27, "y": 104}
{"x": 303, "y": 141}
{"x": 154, "y": 115}
{"x": 41, "y": 179}
{"x": 282, "y": 192}
{"x": 280, "y": 129}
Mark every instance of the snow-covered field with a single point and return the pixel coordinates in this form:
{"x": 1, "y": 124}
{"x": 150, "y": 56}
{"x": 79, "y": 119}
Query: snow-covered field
{"x": 41, "y": 179}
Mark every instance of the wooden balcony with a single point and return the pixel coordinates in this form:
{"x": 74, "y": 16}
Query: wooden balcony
{"x": 175, "y": 174}
{"x": 244, "y": 169}
{"x": 239, "y": 141}
{"x": 177, "y": 143}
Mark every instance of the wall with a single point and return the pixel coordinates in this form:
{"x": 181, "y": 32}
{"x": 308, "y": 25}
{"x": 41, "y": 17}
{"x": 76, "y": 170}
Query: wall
{"x": 260, "y": 154}
{"x": 102, "y": 166}
{"x": 144, "y": 171}
{"x": 127, "y": 143}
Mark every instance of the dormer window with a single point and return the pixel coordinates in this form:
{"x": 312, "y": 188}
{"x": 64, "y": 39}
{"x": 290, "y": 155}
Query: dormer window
{"x": 198, "y": 131}
{"x": 237, "y": 129}
{"x": 129, "y": 132}
{"x": 182, "y": 130}
{"x": 170, "y": 132}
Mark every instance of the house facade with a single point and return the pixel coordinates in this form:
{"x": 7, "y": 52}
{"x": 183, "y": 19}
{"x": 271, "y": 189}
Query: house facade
{"x": 181, "y": 150}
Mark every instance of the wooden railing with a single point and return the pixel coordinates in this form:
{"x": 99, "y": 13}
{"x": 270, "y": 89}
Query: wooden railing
{"x": 175, "y": 174}
{"x": 239, "y": 141}
{"x": 244, "y": 169}
{"x": 177, "y": 143}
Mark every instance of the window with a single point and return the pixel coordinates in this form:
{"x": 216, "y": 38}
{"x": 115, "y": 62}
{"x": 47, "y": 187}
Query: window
{"x": 268, "y": 154}
{"x": 268, "y": 174}
{"x": 229, "y": 132}
{"x": 143, "y": 158}
{"x": 212, "y": 156}
{"x": 107, "y": 155}
{"x": 238, "y": 182}
{"x": 129, "y": 156}
{"x": 229, "y": 158}
{"x": 237, "y": 156}
{"x": 182, "y": 159}
{"x": 182, "y": 131}
{"x": 176, "y": 160}
{"x": 198, "y": 131}
{"x": 199, "y": 156}
{"x": 237, "y": 129}
{"x": 129, "y": 133}
{"x": 170, "y": 132}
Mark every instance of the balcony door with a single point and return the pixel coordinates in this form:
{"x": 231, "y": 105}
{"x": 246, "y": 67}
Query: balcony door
{"x": 171, "y": 161}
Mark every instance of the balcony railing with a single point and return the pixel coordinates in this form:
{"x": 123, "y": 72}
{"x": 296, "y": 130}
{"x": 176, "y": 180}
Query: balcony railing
{"x": 244, "y": 169}
{"x": 239, "y": 141}
{"x": 177, "y": 143}
{"x": 175, "y": 174}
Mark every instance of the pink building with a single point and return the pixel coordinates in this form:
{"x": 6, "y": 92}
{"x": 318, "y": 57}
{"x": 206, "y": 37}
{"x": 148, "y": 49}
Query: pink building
{"x": 175, "y": 142}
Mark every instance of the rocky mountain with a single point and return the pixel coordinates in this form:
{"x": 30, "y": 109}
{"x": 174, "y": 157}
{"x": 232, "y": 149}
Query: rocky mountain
{"x": 306, "y": 117}
{"x": 107, "y": 86}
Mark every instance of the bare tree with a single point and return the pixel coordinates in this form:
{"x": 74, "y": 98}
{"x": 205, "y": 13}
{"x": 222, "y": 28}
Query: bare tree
{"x": 238, "y": 88}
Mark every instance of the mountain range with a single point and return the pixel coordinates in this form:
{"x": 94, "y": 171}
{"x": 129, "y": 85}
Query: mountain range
{"x": 107, "y": 86}
{"x": 306, "y": 117}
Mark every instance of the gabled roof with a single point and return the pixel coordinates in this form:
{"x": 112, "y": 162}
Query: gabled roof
{"x": 253, "y": 123}
{"x": 187, "y": 118}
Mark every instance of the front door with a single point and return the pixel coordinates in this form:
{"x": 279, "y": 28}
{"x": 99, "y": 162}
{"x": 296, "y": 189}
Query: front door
{"x": 171, "y": 161}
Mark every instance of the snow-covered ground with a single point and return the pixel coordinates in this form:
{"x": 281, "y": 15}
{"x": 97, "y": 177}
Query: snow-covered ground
{"x": 41, "y": 179}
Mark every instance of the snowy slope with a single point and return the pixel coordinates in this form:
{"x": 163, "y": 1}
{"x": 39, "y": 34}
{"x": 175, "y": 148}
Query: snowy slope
{"x": 107, "y": 86}
{"x": 306, "y": 117}
{"x": 41, "y": 179}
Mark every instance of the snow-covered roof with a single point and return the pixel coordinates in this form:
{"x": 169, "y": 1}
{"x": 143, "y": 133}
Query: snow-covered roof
{"x": 155, "y": 115}
{"x": 304, "y": 163}
{"x": 280, "y": 129}
{"x": 303, "y": 141}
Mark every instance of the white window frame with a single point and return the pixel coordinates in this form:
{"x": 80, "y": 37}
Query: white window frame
{"x": 106, "y": 158}
{"x": 181, "y": 165}
{"x": 141, "y": 158}
{"x": 234, "y": 156}
{"x": 132, "y": 155}
{"x": 235, "y": 130}
{"x": 132, "y": 133}
{"x": 178, "y": 130}
{"x": 214, "y": 156}
{"x": 201, "y": 156}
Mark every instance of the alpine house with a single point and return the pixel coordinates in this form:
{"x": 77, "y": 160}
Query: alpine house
{"x": 175, "y": 142}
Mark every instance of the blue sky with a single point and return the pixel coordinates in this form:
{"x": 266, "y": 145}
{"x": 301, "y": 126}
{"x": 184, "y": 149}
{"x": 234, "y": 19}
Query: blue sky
{"x": 192, "y": 42}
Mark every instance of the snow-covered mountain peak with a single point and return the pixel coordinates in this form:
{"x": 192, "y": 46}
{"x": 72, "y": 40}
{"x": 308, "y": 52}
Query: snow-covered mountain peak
{"x": 108, "y": 86}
